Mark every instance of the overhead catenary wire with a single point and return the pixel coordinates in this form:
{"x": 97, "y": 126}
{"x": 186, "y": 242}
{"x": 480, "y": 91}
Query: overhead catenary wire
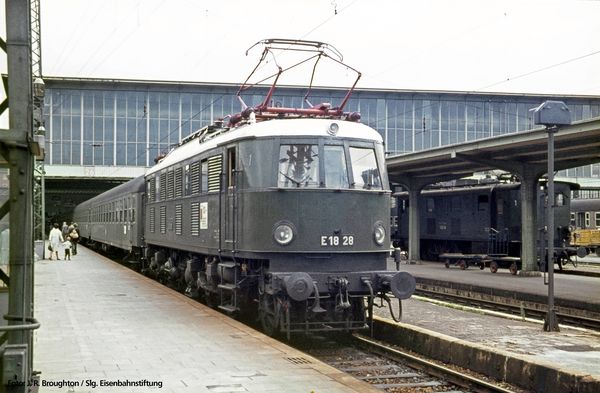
{"x": 72, "y": 36}
{"x": 545, "y": 68}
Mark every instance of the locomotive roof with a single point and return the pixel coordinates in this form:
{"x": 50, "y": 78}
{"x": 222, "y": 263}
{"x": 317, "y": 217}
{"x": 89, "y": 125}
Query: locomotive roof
{"x": 272, "y": 128}
{"x": 132, "y": 186}
{"x": 585, "y": 204}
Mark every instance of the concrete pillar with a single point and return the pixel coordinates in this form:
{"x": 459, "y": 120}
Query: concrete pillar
{"x": 414, "y": 234}
{"x": 529, "y": 225}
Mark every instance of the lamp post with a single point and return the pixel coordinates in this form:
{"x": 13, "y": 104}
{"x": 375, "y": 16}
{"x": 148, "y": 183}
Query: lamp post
{"x": 551, "y": 114}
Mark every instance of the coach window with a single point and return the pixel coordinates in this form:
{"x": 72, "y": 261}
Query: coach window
{"x": 482, "y": 202}
{"x": 298, "y": 166}
{"x": 560, "y": 200}
{"x": 587, "y": 219}
{"x": 204, "y": 176}
{"x": 430, "y": 205}
{"x": 157, "y": 187}
{"x": 150, "y": 189}
{"x": 336, "y": 175}
{"x": 456, "y": 204}
{"x": 364, "y": 168}
{"x": 186, "y": 180}
{"x": 500, "y": 206}
{"x": 231, "y": 167}
{"x": 597, "y": 219}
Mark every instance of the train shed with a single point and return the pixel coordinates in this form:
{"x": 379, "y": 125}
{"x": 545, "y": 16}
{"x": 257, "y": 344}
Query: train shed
{"x": 523, "y": 154}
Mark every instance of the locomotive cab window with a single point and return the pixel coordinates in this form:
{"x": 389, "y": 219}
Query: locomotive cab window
{"x": 364, "y": 168}
{"x": 298, "y": 166}
{"x": 336, "y": 175}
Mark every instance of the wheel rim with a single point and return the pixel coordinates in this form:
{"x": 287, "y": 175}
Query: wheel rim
{"x": 493, "y": 267}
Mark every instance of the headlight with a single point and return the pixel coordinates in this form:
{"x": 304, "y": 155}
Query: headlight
{"x": 379, "y": 234}
{"x": 333, "y": 129}
{"x": 283, "y": 234}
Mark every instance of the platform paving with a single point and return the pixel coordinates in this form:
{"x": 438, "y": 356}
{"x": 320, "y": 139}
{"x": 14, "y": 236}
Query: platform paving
{"x": 104, "y": 322}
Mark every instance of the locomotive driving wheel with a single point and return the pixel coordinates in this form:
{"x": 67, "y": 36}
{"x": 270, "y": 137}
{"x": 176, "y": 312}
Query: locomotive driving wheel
{"x": 268, "y": 314}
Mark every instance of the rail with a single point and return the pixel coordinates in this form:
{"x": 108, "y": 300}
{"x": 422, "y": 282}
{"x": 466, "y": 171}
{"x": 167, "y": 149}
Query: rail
{"x": 455, "y": 377}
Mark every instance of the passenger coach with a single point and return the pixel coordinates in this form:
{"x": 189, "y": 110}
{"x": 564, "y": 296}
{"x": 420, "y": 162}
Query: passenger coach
{"x": 114, "y": 218}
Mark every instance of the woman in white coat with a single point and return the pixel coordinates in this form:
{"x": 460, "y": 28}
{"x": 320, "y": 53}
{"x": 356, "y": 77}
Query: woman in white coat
{"x": 55, "y": 238}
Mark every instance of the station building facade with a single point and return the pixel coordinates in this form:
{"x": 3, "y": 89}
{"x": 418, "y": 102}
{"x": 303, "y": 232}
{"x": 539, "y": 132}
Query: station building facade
{"x": 108, "y": 125}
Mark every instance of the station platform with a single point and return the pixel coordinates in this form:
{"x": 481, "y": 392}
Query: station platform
{"x": 506, "y": 348}
{"x": 103, "y": 322}
{"x": 577, "y": 291}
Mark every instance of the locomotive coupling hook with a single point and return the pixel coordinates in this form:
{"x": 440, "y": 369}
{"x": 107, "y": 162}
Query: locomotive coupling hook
{"x": 344, "y": 298}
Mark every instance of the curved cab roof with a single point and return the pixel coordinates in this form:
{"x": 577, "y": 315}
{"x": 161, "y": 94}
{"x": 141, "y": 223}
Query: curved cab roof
{"x": 271, "y": 128}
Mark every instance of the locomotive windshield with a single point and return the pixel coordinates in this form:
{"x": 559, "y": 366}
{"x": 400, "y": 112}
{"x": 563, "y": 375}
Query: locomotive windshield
{"x": 336, "y": 175}
{"x": 364, "y": 168}
{"x": 298, "y": 166}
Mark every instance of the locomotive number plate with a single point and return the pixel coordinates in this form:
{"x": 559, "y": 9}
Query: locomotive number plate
{"x": 337, "y": 241}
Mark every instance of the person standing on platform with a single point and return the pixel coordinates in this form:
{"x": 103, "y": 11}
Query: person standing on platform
{"x": 65, "y": 229}
{"x": 74, "y": 234}
{"x": 55, "y": 238}
{"x": 67, "y": 246}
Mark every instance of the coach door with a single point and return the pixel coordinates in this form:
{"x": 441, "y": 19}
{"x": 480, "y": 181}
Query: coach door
{"x": 231, "y": 200}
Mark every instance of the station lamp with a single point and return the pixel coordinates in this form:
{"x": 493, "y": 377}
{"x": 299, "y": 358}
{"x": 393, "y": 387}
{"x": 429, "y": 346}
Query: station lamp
{"x": 39, "y": 88}
{"x": 552, "y": 115}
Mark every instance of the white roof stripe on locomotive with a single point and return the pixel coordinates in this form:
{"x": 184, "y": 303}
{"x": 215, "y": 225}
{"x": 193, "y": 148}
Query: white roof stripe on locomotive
{"x": 270, "y": 128}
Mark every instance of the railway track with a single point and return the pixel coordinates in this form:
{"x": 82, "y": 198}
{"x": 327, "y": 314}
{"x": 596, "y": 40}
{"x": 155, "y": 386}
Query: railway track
{"x": 510, "y": 306}
{"x": 391, "y": 370}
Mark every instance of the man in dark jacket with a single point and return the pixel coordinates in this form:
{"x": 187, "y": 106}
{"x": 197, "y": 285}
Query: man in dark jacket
{"x": 74, "y": 235}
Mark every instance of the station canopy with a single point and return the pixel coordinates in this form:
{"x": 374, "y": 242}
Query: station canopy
{"x": 575, "y": 145}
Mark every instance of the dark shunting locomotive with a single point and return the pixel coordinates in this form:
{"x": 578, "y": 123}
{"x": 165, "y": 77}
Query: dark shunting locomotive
{"x": 479, "y": 218}
{"x": 287, "y": 214}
